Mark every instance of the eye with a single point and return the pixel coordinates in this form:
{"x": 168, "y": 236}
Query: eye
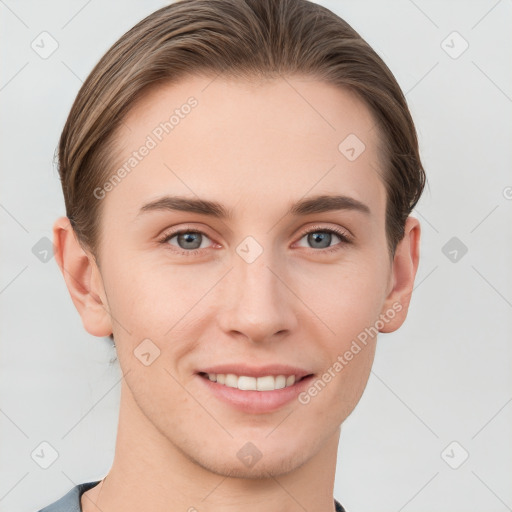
{"x": 321, "y": 238}
{"x": 189, "y": 241}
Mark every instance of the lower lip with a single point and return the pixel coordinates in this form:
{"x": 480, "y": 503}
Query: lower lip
{"x": 256, "y": 401}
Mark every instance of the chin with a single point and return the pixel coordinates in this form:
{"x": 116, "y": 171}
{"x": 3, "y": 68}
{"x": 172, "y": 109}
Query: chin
{"x": 273, "y": 465}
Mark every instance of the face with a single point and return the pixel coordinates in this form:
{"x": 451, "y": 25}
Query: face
{"x": 189, "y": 290}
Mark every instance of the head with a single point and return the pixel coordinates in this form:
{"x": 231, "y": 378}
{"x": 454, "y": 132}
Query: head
{"x": 256, "y": 113}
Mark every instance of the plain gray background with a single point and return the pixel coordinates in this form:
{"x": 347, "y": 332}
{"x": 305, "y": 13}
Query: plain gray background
{"x": 441, "y": 387}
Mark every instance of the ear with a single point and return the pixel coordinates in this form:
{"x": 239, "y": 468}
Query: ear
{"x": 403, "y": 272}
{"x": 83, "y": 279}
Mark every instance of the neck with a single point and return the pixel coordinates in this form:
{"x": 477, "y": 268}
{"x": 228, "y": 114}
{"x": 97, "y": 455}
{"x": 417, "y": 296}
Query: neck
{"x": 150, "y": 472}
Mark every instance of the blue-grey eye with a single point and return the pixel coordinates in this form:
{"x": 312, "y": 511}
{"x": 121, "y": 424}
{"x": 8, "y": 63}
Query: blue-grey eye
{"x": 322, "y": 238}
{"x": 188, "y": 240}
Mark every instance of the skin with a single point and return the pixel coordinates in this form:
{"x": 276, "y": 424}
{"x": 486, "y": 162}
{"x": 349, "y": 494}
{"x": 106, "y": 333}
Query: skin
{"x": 256, "y": 148}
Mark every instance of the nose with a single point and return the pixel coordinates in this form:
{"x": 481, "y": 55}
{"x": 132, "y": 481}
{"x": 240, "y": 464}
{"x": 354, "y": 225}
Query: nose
{"x": 255, "y": 300}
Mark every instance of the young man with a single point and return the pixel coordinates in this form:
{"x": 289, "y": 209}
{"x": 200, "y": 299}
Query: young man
{"x": 238, "y": 178}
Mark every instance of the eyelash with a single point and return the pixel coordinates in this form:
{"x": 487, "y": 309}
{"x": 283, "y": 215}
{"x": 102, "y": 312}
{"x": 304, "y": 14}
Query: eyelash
{"x": 345, "y": 239}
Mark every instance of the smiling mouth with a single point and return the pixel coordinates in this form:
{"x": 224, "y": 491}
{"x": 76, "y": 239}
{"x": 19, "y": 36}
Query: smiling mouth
{"x": 246, "y": 383}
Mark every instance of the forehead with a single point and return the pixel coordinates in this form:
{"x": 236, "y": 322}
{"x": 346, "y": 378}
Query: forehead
{"x": 248, "y": 144}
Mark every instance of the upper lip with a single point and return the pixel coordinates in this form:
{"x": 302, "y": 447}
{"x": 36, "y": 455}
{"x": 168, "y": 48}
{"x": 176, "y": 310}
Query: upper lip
{"x": 260, "y": 371}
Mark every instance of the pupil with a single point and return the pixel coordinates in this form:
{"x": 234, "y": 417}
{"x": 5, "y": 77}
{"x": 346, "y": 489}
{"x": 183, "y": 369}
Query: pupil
{"x": 190, "y": 237}
{"x": 318, "y": 237}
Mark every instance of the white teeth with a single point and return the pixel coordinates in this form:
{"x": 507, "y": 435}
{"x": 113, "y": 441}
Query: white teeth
{"x": 245, "y": 383}
{"x": 231, "y": 380}
{"x": 269, "y": 383}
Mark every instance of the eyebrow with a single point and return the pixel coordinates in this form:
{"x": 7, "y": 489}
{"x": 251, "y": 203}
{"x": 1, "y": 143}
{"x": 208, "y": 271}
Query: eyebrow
{"x": 315, "y": 204}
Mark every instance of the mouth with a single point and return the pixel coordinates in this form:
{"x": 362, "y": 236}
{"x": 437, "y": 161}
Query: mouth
{"x": 254, "y": 395}
{"x": 252, "y": 383}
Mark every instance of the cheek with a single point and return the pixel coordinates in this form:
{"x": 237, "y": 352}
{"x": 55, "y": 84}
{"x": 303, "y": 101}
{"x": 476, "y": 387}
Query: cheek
{"x": 350, "y": 305}
{"x": 150, "y": 299}
{"x": 346, "y": 297}
{"x": 336, "y": 392}
{"x": 166, "y": 304}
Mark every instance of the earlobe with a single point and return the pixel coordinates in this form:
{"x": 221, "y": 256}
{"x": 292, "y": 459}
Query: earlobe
{"x": 82, "y": 278}
{"x": 404, "y": 267}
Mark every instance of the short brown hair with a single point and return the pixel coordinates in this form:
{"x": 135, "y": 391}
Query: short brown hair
{"x": 241, "y": 39}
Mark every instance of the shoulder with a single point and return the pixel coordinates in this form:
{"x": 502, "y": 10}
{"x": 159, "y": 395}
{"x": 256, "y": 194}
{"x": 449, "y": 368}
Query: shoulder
{"x": 70, "y": 502}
